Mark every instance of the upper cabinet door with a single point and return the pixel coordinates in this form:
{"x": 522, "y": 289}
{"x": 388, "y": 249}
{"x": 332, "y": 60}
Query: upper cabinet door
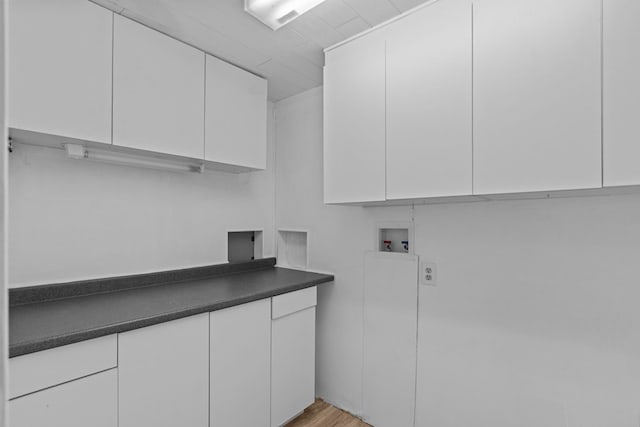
{"x": 537, "y": 95}
{"x": 60, "y": 68}
{"x": 354, "y": 121}
{"x": 158, "y": 92}
{"x": 236, "y": 116}
{"x": 429, "y": 107}
{"x": 621, "y": 92}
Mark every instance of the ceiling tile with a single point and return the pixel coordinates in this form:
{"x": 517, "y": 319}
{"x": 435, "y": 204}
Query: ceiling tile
{"x": 315, "y": 29}
{"x": 334, "y": 12}
{"x": 312, "y": 51}
{"x": 404, "y": 5}
{"x": 353, "y": 27}
{"x": 374, "y": 11}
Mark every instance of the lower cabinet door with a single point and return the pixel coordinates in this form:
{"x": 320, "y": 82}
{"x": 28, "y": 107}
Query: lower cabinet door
{"x": 164, "y": 374}
{"x": 292, "y": 364}
{"x": 90, "y": 401}
{"x": 241, "y": 365}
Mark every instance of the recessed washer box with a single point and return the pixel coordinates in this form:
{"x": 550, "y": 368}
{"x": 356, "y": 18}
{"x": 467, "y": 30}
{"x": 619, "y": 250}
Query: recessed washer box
{"x": 396, "y": 237}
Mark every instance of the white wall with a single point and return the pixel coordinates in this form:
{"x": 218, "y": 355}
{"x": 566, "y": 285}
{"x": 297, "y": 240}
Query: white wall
{"x": 75, "y": 219}
{"x": 4, "y": 334}
{"x": 534, "y": 321}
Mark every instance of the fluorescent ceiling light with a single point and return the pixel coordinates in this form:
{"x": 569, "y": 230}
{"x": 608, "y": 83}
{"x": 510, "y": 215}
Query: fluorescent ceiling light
{"x": 276, "y": 13}
{"x": 76, "y": 151}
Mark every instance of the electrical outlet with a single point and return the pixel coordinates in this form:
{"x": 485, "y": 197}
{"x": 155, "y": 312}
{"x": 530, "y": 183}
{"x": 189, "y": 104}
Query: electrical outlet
{"x": 428, "y": 274}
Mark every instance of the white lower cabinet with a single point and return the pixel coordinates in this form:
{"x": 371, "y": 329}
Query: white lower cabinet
{"x": 90, "y": 401}
{"x": 292, "y": 354}
{"x": 241, "y": 365}
{"x": 164, "y": 374}
{"x": 390, "y": 329}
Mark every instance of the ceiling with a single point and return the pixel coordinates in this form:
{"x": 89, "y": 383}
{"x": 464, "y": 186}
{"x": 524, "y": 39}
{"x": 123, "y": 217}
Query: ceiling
{"x": 291, "y": 58}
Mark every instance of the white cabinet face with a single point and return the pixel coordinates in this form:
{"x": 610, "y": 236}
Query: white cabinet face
{"x": 354, "y": 121}
{"x": 236, "y": 116}
{"x": 47, "y": 368}
{"x": 429, "y": 107}
{"x": 241, "y": 365}
{"x": 621, "y": 145}
{"x": 164, "y": 374}
{"x": 59, "y": 60}
{"x": 537, "y": 95}
{"x": 390, "y": 329}
{"x": 158, "y": 92}
{"x": 292, "y": 365}
{"x": 90, "y": 401}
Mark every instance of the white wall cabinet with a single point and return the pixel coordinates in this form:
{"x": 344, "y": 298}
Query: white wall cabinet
{"x": 164, "y": 374}
{"x": 236, "y": 116}
{"x": 158, "y": 92}
{"x": 429, "y": 107}
{"x": 621, "y": 145}
{"x": 390, "y": 330}
{"x": 60, "y": 68}
{"x": 241, "y": 365}
{"x": 537, "y": 95}
{"x": 292, "y": 354}
{"x": 90, "y": 401}
{"x": 354, "y": 121}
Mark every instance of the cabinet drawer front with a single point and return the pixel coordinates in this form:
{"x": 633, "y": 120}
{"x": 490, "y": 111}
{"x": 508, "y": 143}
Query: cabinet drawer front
{"x": 90, "y": 401}
{"x": 36, "y": 371}
{"x": 292, "y": 302}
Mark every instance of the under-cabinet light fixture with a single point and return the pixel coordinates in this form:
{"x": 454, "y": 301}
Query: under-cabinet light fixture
{"x": 276, "y": 13}
{"x": 77, "y": 151}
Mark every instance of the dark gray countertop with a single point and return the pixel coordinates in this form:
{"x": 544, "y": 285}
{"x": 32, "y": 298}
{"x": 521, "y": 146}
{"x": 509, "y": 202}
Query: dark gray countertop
{"x": 37, "y": 326}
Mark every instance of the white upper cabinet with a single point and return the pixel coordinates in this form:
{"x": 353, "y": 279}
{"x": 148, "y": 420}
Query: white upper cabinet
{"x": 354, "y": 121}
{"x": 158, "y": 91}
{"x": 621, "y": 92}
{"x": 236, "y": 116}
{"x": 429, "y": 148}
{"x": 537, "y": 95}
{"x": 60, "y": 68}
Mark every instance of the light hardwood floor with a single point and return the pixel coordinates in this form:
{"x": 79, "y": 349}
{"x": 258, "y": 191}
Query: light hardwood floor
{"x": 321, "y": 414}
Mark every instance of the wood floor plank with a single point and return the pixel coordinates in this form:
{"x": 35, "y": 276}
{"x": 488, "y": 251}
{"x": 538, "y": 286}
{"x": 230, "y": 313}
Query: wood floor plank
{"x": 321, "y": 414}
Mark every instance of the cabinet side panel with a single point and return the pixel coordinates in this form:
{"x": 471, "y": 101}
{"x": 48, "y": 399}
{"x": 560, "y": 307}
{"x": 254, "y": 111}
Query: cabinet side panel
{"x": 621, "y": 92}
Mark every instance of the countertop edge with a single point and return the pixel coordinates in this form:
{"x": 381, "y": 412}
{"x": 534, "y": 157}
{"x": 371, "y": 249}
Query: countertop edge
{"x": 24, "y": 348}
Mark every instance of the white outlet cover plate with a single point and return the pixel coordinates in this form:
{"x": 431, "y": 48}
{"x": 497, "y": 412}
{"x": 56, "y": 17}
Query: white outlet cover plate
{"x": 428, "y": 273}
